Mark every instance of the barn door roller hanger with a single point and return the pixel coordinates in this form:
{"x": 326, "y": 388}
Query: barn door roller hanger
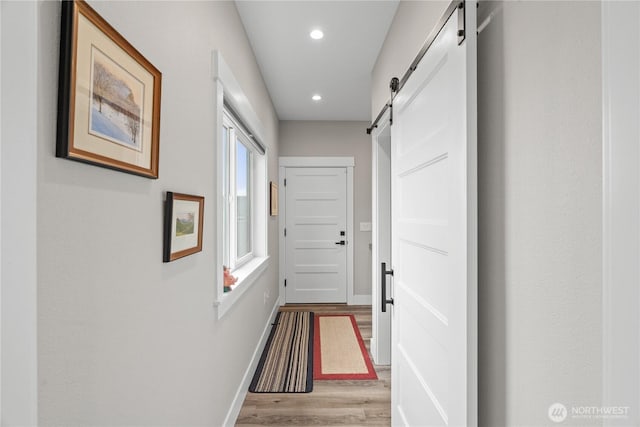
{"x": 396, "y": 84}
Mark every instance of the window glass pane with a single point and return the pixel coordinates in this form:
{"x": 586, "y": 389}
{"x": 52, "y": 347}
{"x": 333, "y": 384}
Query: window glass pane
{"x": 243, "y": 199}
{"x": 225, "y": 193}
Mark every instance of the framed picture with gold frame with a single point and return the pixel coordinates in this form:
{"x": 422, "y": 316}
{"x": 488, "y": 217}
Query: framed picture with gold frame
{"x": 183, "y": 219}
{"x": 108, "y": 96}
{"x": 273, "y": 205}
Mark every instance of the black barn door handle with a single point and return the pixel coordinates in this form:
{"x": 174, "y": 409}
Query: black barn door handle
{"x": 383, "y": 285}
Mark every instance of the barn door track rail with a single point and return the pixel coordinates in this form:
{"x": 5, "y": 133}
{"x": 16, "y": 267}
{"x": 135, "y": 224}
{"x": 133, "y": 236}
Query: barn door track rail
{"x": 396, "y": 84}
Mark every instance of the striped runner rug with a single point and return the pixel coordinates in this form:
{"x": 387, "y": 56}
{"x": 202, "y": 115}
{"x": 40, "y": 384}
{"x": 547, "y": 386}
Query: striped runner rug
{"x": 286, "y": 364}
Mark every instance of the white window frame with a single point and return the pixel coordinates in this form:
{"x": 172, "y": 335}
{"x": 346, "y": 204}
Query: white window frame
{"x": 228, "y": 91}
{"x": 236, "y": 134}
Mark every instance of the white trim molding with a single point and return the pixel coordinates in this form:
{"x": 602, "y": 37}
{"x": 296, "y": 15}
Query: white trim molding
{"x": 621, "y": 210}
{"x": 317, "y": 162}
{"x": 350, "y": 239}
{"x": 381, "y": 243}
{"x": 235, "y": 96}
{"x": 282, "y": 214}
{"x": 361, "y": 300}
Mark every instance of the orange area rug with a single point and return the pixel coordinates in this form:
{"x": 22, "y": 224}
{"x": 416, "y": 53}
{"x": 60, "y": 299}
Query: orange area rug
{"x": 339, "y": 352}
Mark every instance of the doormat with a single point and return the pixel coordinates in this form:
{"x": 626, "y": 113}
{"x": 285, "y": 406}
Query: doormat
{"x": 286, "y": 364}
{"x": 339, "y": 352}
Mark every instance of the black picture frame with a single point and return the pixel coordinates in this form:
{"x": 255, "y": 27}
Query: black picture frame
{"x": 183, "y": 223}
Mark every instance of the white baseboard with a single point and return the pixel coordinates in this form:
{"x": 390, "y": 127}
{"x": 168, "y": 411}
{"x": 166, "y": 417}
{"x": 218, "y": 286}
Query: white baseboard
{"x": 241, "y": 393}
{"x": 373, "y": 348}
{"x": 361, "y": 300}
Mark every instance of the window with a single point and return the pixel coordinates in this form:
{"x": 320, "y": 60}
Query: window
{"x": 239, "y": 181}
{"x": 243, "y": 200}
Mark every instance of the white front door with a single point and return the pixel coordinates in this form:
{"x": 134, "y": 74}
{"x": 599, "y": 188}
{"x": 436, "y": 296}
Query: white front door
{"x": 316, "y": 235}
{"x": 433, "y": 139}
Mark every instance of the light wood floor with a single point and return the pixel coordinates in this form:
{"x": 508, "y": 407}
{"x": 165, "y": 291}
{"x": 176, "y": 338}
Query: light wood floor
{"x": 352, "y": 403}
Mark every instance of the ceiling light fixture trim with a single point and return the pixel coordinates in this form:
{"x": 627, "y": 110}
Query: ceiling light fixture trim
{"x": 316, "y": 34}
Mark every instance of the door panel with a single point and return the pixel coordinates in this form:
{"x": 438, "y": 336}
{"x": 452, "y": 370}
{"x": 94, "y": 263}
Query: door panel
{"x": 412, "y": 388}
{"x": 434, "y": 236}
{"x": 316, "y": 212}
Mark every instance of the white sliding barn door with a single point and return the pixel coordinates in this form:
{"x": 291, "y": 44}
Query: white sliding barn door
{"x": 433, "y": 139}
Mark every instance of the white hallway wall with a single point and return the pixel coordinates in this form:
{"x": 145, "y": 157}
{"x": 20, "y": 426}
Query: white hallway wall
{"x": 329, "y": 138}
{"x": 621, "y": 213}
{"x": 124, "y": 339}
{"x": 18, "y": 280}
{"x": 540, "y": 194}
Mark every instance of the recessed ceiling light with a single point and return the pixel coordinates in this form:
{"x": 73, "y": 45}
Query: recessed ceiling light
{"x": 316, "y": 34}
{"x": 316, "y": 97}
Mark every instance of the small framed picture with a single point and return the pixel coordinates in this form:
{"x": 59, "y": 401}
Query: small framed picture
{"x": 183, "y": 217}
{"x": 274, "y": 199}
{"x": 108, "y": 96}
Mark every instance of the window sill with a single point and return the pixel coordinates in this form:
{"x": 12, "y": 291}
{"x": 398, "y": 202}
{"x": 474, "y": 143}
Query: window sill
{"x": 247, "y": 276}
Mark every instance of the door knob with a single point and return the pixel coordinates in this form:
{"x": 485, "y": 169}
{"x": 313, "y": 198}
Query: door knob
{"x": 341, "y": 243}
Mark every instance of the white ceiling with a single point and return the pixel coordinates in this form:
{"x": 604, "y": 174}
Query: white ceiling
{"x": 338, "y": 67}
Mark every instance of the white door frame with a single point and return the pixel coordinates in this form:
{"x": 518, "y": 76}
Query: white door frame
{"x": 315, "y": 162}
{"x": 621, "y": 210}
{"x": 380, "y": 322}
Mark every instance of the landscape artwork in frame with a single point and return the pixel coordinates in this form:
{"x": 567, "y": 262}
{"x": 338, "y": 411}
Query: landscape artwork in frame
{"x": 108, "y": 96}
{"x": 183, "y": 217}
